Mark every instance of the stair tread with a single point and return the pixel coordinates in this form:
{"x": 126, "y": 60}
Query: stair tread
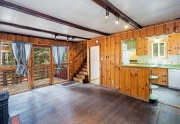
{"x": 78, "y": 78}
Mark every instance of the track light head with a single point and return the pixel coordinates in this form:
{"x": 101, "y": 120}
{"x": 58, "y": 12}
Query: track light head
{"x": 55, "y": 36}
{"x": 126, "y": 25}
{"x": 67, "y": 38}
{"x": 107, "y": 12}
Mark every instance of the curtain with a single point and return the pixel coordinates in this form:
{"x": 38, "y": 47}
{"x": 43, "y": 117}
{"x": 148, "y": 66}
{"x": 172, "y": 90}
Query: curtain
{"x": 21, "y": 51}
{"x": 58, "y": 52}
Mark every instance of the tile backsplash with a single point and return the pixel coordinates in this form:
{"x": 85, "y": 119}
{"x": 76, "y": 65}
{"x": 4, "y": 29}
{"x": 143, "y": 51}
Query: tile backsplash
{"x": 172, "y": 59}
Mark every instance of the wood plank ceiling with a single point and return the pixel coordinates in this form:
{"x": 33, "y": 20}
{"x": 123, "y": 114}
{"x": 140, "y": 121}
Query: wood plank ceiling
{"x": 85, "y": 13}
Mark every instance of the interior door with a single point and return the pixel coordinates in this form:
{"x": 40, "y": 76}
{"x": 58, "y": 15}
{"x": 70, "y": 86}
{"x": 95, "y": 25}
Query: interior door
{"x": 94, "y": 60}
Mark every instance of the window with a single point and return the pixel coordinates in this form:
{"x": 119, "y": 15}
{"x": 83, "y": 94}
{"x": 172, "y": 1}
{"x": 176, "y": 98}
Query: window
{"x": 158, "y": 50}
{"x": 6, "y": 54}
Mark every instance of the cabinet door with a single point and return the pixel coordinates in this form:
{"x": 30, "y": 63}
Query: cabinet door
{"x": 138, "y": 47}
{"x": 172, "y": 44}
{"x": 178, "y": 43}
{"x": 127, "y": 81}
{"x": 134, "y": 82}
{"x": 145, "y": 46}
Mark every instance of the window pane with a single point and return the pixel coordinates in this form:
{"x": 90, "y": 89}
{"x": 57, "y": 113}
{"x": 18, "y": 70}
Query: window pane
{"x": 155, "y": 49}
{"x": 41, "y": 55}
{"x": 65, "y": 55}
{"x": 7, "y": 57}
{"x": 161, "y": 49}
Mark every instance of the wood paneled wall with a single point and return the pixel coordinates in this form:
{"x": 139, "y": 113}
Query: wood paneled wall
{"x": 74, "y": 48}
{"x": 110, "y": 58}
{"x": 111, "y": 50}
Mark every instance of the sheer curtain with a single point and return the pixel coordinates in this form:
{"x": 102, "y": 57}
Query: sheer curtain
{"x": 21, "y": 50}
{"x": 58, "y": 52}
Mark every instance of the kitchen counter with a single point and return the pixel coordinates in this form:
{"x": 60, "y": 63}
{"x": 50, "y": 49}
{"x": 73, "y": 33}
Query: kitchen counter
{"x": 170, "y": 66}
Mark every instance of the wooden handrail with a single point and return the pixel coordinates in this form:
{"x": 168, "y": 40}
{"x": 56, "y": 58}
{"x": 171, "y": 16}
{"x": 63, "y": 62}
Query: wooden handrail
{"x": 79, "y": 52}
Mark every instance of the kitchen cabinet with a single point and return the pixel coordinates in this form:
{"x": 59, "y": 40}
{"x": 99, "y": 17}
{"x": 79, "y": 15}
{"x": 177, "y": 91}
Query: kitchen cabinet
{"x": 141, "y": 47}
{"x": 162, "y": 74}
{"x": 134, "y": 82}
{"x": 159, "y": 30}
{"x": 174, "y": 43}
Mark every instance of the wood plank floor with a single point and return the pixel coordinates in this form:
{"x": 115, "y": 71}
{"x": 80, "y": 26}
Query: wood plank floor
{"x": 78, "y": 103}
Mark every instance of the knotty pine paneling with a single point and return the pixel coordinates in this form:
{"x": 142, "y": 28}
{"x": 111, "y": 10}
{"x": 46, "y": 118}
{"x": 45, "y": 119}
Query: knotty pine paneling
{"x": 73, "y": 47}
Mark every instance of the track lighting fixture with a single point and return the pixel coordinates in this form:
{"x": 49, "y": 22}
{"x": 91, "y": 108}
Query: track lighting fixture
{"x": 55, "y": 36}
{"x": 107, "y": 12}
{"x": 67, "y": 38}
{"x": 117, "y": 20}
{"x": 126, "y": 25}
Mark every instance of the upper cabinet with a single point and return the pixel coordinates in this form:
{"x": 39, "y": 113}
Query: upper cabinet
{"x": 141, "y": 47}
{"x": 159, "y": 30}
{"x": 174, "y": 44}
{"x": 169, "y": 28}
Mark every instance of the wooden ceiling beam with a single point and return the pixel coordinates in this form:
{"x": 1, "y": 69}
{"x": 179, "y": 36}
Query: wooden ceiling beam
{"x": 114, "y": 10}
{"x": 47, "y": 17}
{"x": 40, "y": 30}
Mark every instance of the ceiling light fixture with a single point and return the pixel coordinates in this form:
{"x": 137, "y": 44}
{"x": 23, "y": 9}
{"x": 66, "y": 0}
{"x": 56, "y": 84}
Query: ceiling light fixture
{"x": 67, "y": 38}
{"x": 55, "y": 36}
{"x": 126, "y": 25}
{"x": 117, "y": 18}
{"x": 107, "y": 12}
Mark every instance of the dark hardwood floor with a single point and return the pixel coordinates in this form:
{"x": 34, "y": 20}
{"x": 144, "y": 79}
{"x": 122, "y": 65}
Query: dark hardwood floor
{"x": 77, "y": 103}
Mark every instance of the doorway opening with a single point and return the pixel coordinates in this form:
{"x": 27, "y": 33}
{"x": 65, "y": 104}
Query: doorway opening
{"x": 95, "y": 65}
{"x": 41, "y": 66}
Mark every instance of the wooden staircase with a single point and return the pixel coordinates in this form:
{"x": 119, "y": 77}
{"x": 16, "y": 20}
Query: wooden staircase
{"x": 82, "y": 74}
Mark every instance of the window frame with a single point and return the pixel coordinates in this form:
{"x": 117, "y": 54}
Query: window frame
{"x": 159, "y": 56}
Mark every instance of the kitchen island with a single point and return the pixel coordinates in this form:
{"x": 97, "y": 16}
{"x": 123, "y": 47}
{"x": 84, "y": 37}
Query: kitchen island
{"x": 135, "y": 82}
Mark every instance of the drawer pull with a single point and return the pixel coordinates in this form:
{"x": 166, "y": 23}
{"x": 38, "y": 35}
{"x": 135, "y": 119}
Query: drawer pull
{"x": 163, "y": 81}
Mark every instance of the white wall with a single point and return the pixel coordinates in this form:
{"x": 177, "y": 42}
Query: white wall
{"x": 94, "y": 62}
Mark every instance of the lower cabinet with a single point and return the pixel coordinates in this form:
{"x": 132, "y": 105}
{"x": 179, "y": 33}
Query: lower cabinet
{"x": 135, "y": 82}
{"x": 162, "y": 74}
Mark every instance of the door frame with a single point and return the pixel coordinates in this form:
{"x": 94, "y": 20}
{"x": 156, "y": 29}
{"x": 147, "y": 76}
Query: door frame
{"x": 89, "y": 63}
{"x": 31, "y": 66}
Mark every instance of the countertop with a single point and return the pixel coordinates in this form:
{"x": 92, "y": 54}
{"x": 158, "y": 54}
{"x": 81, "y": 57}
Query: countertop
{"x": 168, "y": 66}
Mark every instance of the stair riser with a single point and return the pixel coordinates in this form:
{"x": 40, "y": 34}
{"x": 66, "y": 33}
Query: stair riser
{"x": 81, "y": 76}
{"x": 81, "y": 72}
{"x": 78, "y": 80}
{"x": 84, "y": 69}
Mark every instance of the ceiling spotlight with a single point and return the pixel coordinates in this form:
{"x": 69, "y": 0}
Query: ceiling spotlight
{"x": 117, "y": 20}
{"x": 67, "y": 38}
{"x": 126, "y": 25}
{"x": 55, "y": 36}
{"x": 107, "y": 13}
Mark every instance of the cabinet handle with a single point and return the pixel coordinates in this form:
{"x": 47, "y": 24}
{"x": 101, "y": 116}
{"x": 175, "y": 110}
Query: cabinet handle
{"x": 178, "y": 47}
{"x": 169, "y": 50}
{"x": 175, "y": 48}
{"x": 163, "y": 81}
{"x": 164, "y": 75}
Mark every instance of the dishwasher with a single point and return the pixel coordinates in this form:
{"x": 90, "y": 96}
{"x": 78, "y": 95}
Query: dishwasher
{"x": 174, "y": 78}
